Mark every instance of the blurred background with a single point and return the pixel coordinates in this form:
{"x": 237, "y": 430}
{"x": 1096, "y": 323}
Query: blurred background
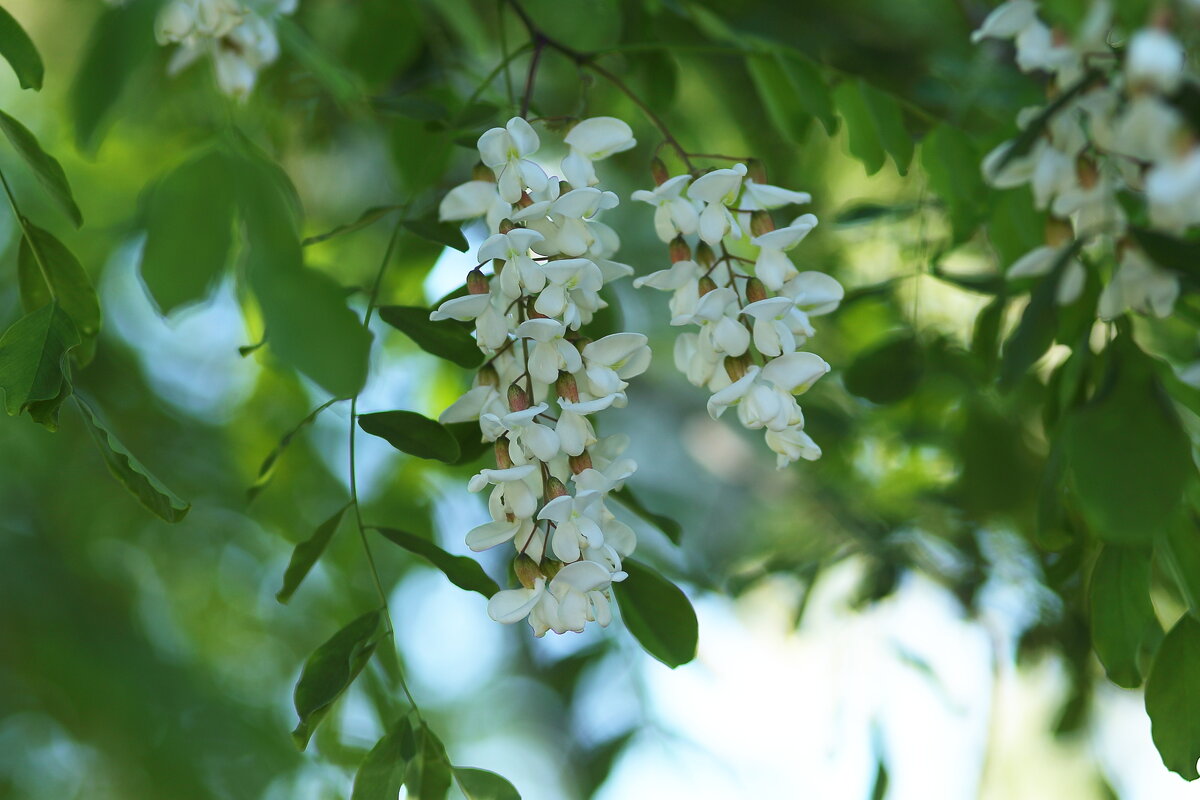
{"x": 882, "y": 623}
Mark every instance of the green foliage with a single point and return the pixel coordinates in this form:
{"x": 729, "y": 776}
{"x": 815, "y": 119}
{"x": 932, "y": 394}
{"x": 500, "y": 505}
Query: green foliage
{"x": 672, "y": 529}
{"x": 951, "y": 161}
{"x": 44, "y": 166}
{"x": 428, "y": 776}
{"x": 658, "y": 614}
{"x": 1173, "y": 698}
{"x": 412, "y": 433}
{"x": 47, "y": 271}
{"x": 889, "y": 372}
{"x": 381, "y": 773}
{"x": 463, "y": 572}
{"x": 445, "y": 339}
{"x": 479, "y": 784}
{"x": 875, "y": 125}
{"x": 307, "y": 553}
{"x": 20, "y": 52}
{"x": 779, "y": 95}
{"x": 1123, "y": 621}
{"x": 34, "y": 372}
{"x": 1039, "y": 323}
{"x": 141, "y": 483}
{"x": 1179, "y": 549}
{"x": 331, "y": 669}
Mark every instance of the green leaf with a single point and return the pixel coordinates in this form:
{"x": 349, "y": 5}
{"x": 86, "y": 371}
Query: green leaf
{"x": 463, "y": 572}
{"x": 888, "y": 119}
{"x": 812, "y": 93}
{"x": 428, "y": 776}
{"x": 445, "y": 339}
{"x": 863, "y": 213}
{"x": 20, "y": 52}
{"x": 985, "y": 335}
{"x": 981, "y": 283}
{"x": 189, "y": 230}
{"x": 1123, "y": 621}
{"x": 411, "y": 433}
{"x": 141, "y": 483}
{"x": 368, "y": 217}
{"x": 861, "y": 132}
{"x": 33, "y": 358}
{"x": 120, "y": 41}
{"x": 479, "y": 784}
{"x": 1128, "y": 453}
{"x": 658, "y": 615}
{"x": 382, "y": 771}
{"x": 304, "y": 311}
{"x": 1029, "y": 135}
{"x": 331, "y": 669}
{"x": 887, "y": 373}
{"x": 306, "y": 554}
{"x": 471, "y": 444}
{"x": 1179, "y": 549}
{"x": 336, "y": 79}
{"x": 47, "y": 169}
{"x": 1039, "y": 322}
{"x": 672, "y": 529}
{"x": 1173, "y": 698}
{"x": 268, "y": 465}
{"x": 447, "y": 234}
{"x": 778, "y": 94}
{"x": 43, "y": 258}
{"x": 1169, "y": 251}
{"x": 951, "y": 161}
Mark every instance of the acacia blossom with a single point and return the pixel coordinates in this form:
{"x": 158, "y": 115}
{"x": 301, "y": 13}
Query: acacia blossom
{"x": 549, "y": 256}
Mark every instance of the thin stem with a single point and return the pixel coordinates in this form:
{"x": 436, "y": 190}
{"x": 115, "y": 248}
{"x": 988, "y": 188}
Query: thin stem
{"x": 539, "y": 44}
{"x": 362, "y": 528}
{"x": 501, "y": 67}
{"x": 33, "y": 248}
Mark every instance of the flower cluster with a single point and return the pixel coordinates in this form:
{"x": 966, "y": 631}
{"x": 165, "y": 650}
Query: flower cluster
{"x": 748, "y": 325}
{"x": 1112, "y": 130}
{"x": 544, "y": 378}
{"x": 238, "y": 36}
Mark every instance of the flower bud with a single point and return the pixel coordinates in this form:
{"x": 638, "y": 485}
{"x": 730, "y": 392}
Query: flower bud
{"x": 518, "y": 399}
{"x": 550, "y": 568}
{"x": 659, "y": 171}
{"x": 524, "y": 201}
{"x": 756, "y": 171}
{"x": 563, "y": 188}
{"x": 554, "y": 488}
{"x": 566, "y": 387}
{"x": 707, "y": 285}
{"x": 705, "y": 255}
{"x": 755, "y": 290}
{"x": 481, "y": 173}
{"x": 580, "y": 462}
{"x": 1087, "y": 173}
{"x": 679, "y": 250}
{"x": 503, "y": 458}
{"x": 488, "y": 376}
{"x": 736, "y": 368}
{"x": 761, "y": 222}
{"x": 477, "y": 282}
{"x": 506, "y": 225}
{"x": 527, "y": 570}
{"x": 1058, "y": 231}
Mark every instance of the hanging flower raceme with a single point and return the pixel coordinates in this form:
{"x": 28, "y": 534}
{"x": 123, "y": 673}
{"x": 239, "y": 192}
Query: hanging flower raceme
{"x": 1109, "y": 139}
{"x": 238, "y": 35}
{"x": 544, "y": 379}
{"x": 746, "y": 304}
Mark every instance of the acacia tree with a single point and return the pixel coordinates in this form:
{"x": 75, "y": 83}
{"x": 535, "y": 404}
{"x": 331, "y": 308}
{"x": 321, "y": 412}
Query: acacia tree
{"x": 1051, "y": 154}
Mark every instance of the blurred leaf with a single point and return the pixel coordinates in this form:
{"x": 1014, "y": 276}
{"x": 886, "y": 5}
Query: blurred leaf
{"x": 428, "y": 776}
{"x": 411, "y": 433}
{"x": 1029, "y": 135}
{"x": 463, "y": 572}
{"x": 983, "y": 283}
{"x": 120, "y": 41}
{"x": 1168, "y": 251}
{"x": 582, "y": 24}
{"x": 337, "y": 80}
{"x": 148, "y": 489}
{"x": 1015, "y": 227}
{"x": 659, "y": 78}
{"x": 479, "y": 784}
{"x": 47, "y": 169}
{"x": 471, "y": 444}
{"x": 1128, "y": 453}
{"x": 386, "y": 38}
{"x": 951, "y": 161}
{"x": 1179, "y": 548}
{"x": 368, "y": 217}
{"x": 658, "y": 614}
{"x": 861, "y": 132}
{"x": 382, "y": 771}
{"x": 268, "y": 466}
{"x": 672, "y": 529}
{"x": 887, "y": 373}
{"x": 444, "y": 339}
{"x": 998, "y": 472}
{"x": 888, "y": 119}
{"x": 812, "y": 93}
{"x": 20, "y": 52}
{"x": 1123, "y": 621}
{"x": 307, "y": 553}
{"x": 985, "y": 335}
{"x": 861, "y": 213}
{"x": 189, "y": 230}
{"x": 331, "y": 669}
{"x": 879, "y": 787}
{"x": 42, "y": 258}
{"x": 1173, "y": 698}
{"x": 778, "y": 94}
{"x": 1039, "y": 322}
{"x": 33, "y": 358}
{"x": 447, "y": 234}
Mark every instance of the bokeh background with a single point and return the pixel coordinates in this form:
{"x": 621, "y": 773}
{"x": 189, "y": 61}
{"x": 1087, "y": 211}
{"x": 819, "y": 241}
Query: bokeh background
{"x": 877, "y": 624}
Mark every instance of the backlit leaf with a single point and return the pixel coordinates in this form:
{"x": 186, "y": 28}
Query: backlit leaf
{"x": 331, "y": 669}
{"x": 658, "y": 614}
{"x": 463, "y": 572}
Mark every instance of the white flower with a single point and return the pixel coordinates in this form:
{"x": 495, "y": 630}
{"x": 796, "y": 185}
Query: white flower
{"x": 682, "y": 278}
{"x": 540, "y": 441}
{"x": 519, "y": 272}
{"x": 717, "y": 315}
{"x": 574, "y": 526}
{"x": 550, "y": 352}
{"x": 773, "y": 325}
{"x": 790, "y": 444}
{"x": 1147, "y": 129}
{"x": 592, "y": 140}
{"x": 1154, "y": 60}
{"x": 504, "y": 151}
{"x": 569, "y": 281}
{"x": 575, "y": 432}
{"x": 1007, "y": 20}
{"x": 477, "y": 401}
{"x": 1139, "y": 284}
{"x": 673, "y": 214}
{"x": 567, "y": 603}
{"x": 511, "y": 489}
{"x": 789, "y": 374}
{"x": 772, "y": 267}
{"x": 1040, "y": 260}
{"x": 1173, "y": 192}
{"x": 764, "y": 196}
{"x": 718, "y": 189}
{"x": 610, "y": 361}
{"x": 815, "y": 293}
{"x": 474, "y": 199}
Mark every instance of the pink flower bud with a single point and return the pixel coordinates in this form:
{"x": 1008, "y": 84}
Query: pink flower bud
{"x": 679, "y": 250}
{"x": 518, "y": 399}
{"x": 524, "y": 201}
{"x": 761, "y": 222}
{"x": 527, "y": 570}
{"x": 554, "y": 488}
{"x": 566, "y": 387}
{"x": 488, "y": 377}
{"x": 503, "y": 459}
{"x": 659, "y": 171}
{"x": 705, "y": 255}
{"x": 736, "y": 368}
{"x": 707, "y": 285}
{"x": 580, "y": 462}
{"x": 755, "y": 290}
{"x": 506, "y": 225}
{"x": 755, "y": 171}
{"x": 477, "y": 282}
